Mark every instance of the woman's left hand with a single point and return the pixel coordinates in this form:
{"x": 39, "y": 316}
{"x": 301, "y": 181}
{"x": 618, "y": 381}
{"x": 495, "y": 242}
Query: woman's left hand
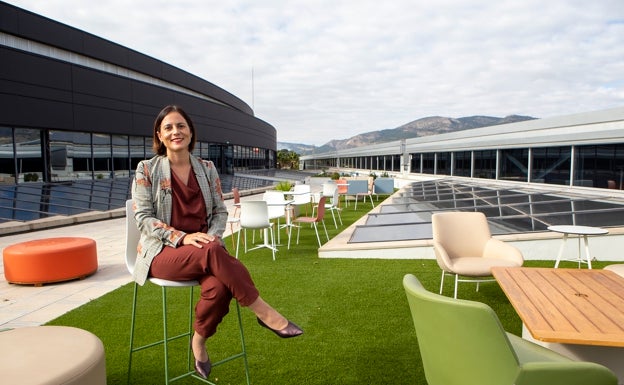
{"x": 197, "y": 239}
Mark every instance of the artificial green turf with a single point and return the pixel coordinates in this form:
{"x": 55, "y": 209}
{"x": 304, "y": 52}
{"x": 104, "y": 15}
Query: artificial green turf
{"x": 357, "y": 323}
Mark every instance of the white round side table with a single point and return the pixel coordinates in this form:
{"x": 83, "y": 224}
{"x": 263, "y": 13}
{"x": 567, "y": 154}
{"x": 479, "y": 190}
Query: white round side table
{"x": 581, "y": 232}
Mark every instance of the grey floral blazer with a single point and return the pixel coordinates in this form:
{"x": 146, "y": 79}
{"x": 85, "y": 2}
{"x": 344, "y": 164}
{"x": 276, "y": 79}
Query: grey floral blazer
{"x": 151, "y": 195}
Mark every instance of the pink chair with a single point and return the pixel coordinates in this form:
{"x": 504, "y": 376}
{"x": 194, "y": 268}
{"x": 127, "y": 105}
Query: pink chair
{"x": 320, "y": 214}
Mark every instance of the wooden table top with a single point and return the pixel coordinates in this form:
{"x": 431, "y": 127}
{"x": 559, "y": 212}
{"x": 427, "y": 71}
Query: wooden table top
{"x": 577, "y": 306}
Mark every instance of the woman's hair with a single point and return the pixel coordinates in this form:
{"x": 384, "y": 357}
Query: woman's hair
{"x": 157, "y": 145}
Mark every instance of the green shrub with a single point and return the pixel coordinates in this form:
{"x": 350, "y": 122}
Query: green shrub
{"x": 283, "y": 186}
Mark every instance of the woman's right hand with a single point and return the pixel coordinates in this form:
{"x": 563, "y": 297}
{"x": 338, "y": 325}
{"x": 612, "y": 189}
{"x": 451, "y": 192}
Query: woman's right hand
{"x": 197, "y": 239}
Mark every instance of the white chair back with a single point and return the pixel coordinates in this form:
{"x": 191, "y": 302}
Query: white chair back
{"x": 275, "y": 203}
{"x": 335, "y": 198}
{"x": 302, "y": 194}
{"x": 132, "y": 237}
{"x": 329, "y": 188}
{"x": 254, "y": 215}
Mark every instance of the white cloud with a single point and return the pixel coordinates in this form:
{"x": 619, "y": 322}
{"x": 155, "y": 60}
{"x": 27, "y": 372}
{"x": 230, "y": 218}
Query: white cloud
{"x": 331, "y": 69}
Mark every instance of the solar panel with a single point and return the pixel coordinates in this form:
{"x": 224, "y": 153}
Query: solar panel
{"x": 407, "y": 215}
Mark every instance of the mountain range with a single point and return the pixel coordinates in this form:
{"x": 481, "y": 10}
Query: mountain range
{"x": 432, "y": 125}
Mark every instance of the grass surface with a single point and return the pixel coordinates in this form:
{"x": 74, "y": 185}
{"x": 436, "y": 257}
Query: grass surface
{"x": 357, "y": 323}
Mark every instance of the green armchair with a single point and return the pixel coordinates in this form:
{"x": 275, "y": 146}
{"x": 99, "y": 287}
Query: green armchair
{"x": 463, "y": 342}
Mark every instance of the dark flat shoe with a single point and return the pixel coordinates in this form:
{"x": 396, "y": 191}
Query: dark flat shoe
{"x": 291, "y": 330}
{"x": 203, "y": 368}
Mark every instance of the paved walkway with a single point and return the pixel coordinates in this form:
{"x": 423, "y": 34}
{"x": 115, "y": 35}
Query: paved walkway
{"x": 27, "y": 305}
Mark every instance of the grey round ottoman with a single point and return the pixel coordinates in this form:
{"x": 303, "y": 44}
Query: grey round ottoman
{"x": 51, "y": 355}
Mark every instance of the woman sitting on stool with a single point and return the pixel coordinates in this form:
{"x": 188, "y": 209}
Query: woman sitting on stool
{"x": 179, "y": 209}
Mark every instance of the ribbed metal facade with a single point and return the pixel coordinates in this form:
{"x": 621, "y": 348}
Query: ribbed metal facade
{"x": 65, "y": 92}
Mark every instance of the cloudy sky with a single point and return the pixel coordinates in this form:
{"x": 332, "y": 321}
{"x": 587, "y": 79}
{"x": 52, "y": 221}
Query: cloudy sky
{"x": 330, "y": 69}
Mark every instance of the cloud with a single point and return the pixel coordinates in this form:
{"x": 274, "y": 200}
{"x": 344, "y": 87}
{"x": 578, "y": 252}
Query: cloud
{"x": 327, "y": 70}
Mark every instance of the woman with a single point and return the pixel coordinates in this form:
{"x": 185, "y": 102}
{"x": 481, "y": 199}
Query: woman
{"x": 180, "y": 212}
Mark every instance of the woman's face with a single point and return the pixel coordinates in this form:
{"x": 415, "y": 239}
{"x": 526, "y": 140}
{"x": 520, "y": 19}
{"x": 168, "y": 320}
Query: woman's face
{"x": 174, "y": 133}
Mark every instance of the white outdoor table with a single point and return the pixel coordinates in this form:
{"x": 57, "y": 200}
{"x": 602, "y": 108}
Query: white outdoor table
{"x": 580, "y": 232}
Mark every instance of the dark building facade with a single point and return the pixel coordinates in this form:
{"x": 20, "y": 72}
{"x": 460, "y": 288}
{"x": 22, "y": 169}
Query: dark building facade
{"x": 78, "y": 107}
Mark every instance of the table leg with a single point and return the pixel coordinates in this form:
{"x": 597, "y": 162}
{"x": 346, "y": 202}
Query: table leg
{"x": 586, "y": 251}
{"x": 563, "y": 242}
{"x": 579, "y": 256}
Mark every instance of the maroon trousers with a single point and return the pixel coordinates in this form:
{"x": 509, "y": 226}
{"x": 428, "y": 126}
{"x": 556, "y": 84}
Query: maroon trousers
{"x": 220, "y": 275}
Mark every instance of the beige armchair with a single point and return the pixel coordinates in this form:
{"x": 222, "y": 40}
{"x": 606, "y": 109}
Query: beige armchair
{"x": 464, "y": 247}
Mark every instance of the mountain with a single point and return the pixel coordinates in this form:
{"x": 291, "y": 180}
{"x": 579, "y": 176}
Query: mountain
{"x": 296, "y": 147}
{"x": 432, "y": 125}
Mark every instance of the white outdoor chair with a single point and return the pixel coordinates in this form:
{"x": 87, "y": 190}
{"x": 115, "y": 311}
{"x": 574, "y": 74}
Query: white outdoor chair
{"x": 464, "y": 247}
{"x": 255, "y": 215}
{"x": 302, "y": 196}
{"x": 276, "y": 205}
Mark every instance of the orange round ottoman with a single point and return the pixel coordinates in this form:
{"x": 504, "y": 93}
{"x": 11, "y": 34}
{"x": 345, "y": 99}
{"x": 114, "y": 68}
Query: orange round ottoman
{"x": 50, "y": 260}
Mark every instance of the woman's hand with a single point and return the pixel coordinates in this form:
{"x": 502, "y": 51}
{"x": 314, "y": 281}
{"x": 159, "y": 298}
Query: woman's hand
{"x": 197, "y": 239}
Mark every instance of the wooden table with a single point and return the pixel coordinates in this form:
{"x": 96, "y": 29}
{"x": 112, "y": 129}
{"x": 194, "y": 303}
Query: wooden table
{"x": 577, "y": 312}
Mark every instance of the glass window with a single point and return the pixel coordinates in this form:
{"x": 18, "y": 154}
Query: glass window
{"x": 7, "y": 159}
{"x": 485, "y": 164}
{"x": 138, "y": 147}
{"x": 443, "y": 164}
{"x": 396, "y": 163}
{"x": 600, "y": 166}
{"x": 121, "y": 156}
{"x": 227, "y": 157}
{"x": 461, "y": 166}
{"x": 79, "y": 157}
{"x": 514, "y": 164}
{"x": 28, "y": 153}
{"x": 551, "y": 165}
{"x": 428, "y": 163}
{"x": 415, "y": 163}
{"x": 102, "y": 156}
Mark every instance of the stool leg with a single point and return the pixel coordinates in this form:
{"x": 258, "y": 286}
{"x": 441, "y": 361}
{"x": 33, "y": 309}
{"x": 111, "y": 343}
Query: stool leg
{"x": 243, "y": 347}
{"x": 164, "y": 307}
{"x": 134, "y": 300}
{"x": 190, "y": 332}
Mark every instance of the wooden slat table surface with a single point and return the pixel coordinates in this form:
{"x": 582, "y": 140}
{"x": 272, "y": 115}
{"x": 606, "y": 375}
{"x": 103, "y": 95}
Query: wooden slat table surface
{"x": 576, "y": 306}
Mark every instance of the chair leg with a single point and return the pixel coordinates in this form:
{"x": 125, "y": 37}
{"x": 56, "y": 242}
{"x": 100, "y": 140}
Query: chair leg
{"x": 339, "y": 216}
{"x": 244, "y": 235}
{"x": 442, "y": 282}
{"x": 456, "y": 283}
{"x": 298, "y": 228}
{"x": 272, "y": 235}
{"x": 238, "y": 241}
{"x": 334, "y": 217}
{"x": 325, "y": 227}
{"x": 317, "y": 234}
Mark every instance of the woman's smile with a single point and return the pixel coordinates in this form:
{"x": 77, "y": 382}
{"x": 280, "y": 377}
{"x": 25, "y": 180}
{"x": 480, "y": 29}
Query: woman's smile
{"x": 174, "y": 132}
